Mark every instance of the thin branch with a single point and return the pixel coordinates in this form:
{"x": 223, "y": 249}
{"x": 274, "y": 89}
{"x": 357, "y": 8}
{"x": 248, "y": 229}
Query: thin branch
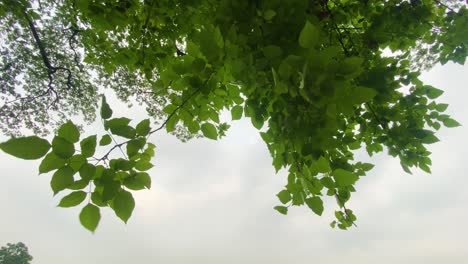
{"x": 174, "y": 112}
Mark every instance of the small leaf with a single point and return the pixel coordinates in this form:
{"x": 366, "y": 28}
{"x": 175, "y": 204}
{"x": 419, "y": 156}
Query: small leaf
{"x": 88, "y": 146}
{"x": 143, "y": 165}
{"x": 433, "y": 92}
{"x": 281, "y": 209}
{"x": 323, "y": 165}
{"x": 143, "y": 128}
{"x": 284, "y": 196}
{"x": 28, "y": 148}
{"x": 106, "y": 111}
{"x": 134, "y": 146}
{"x": 87, "y": 171}
{"x": 441, "y": 107}
{"x": 316, "y": 204}
{"x": 90, "y": 216}
{"x": 105, "y": 140}
{"x": 123, "y": 205}
{"x": 73, "y": 199}
{"x": 79, "y": 185}
{"x": 449, "y": 122}
{"x": 76, "y": 162}
{"x": 124, "y": 131}
{"x": 61, "y": 179}
{"x": 209, "y": 131}
{"x": 236, "y": 112}
{"x": 344, "y": 178}
{"x": 138, "y": 182}
{"x": 367, "y": 166}
{"x": 62, "y": 147}
{"x": 69, "y": 132}
{"x": 269, "y": 14}
{"x": 309, "y": 35}
{"x": 51, "y": 162}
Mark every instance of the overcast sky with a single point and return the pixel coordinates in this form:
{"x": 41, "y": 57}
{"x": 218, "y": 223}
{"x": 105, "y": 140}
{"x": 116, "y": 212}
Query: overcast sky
{"x": 211, "y": 203}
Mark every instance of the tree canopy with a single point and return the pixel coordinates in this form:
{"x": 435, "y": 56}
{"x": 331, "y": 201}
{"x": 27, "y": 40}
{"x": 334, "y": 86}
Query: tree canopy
{"x": 318, "y": 79}
{"x": 15, "y": 254}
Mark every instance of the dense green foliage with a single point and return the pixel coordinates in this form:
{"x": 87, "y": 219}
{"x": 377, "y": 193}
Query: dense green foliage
{"x": 15, "y": 254}
{"x": 319, "y": 79}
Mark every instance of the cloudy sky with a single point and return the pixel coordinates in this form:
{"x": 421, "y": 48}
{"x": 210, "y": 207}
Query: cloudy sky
{"x": 211, "y": 202}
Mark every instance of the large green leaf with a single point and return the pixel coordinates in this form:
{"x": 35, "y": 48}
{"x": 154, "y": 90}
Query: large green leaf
{"x": 77, "y": 161}
{"x": 143, "y": 128}
{"x": 309, "y": 35}
{"x": 90, "y": 216}
{"x": 51, "y": 162}
{"x": 284, "y": 196}
{"x": 88, "y": 146}
{"x": 28, "y": 148}
{"x": 69, "y": 132}
{"x": 316, "y": 204}
{"x": 87, "y": 171}
{"x": 236, "y": 112}
{"x": 123, "y": 205}
{"x": 209, "y": 131}
{"x": 73, "y": 199}
{"x": 344, "y": 178}
{"x": 105, "y": 140}
{"x": 62, "y": 147}
{"x": 61, "y": 179}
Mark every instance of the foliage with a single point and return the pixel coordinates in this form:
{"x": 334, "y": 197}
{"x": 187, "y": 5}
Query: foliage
{"x": 319, "y": 79}
{"x": 15, "y": 254}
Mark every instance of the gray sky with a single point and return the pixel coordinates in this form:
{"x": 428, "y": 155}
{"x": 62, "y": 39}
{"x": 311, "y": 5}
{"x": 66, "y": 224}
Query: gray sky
{"x": 211, "y": 202}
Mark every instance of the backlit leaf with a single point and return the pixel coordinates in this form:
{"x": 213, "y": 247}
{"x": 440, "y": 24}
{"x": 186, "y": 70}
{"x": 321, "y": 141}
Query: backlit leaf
{"x": 28, "y": 148}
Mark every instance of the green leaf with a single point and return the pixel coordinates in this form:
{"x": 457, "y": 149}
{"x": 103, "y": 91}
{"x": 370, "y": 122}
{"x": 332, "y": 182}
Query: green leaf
{"x": 123, "y": 205}
{"x": 77, "y": 161}
{"x": 51, "y": 162}
{"x": 73, "y": 199}
{"x": 90, "y": 216}
{"x": 88, "y": 146}
{"x": 323, "y": 165}
{"x": 281, "y": 209}
{"x": 433, "y": 92}
{"x": 69, "y": 132}
{"x": 105, "y": 140}
{"x": 28, "y": 148}
{"x": 430, "y": 139}
{"x": 367, "y": 166}
{"x": 328, "y": 182}
{"x": 97, "y": 199}
{"x": 61, "y": 179}
{"x": 209, "y": 131}
{"x": 143, "y": 165}
{"x": 284, "y": 196}
{"x": 143, "y": 128}
{"x": 79, "y": 185}
{"x": 87, "y": 171}
{"x": 344, "y": 178}
{"x": 449, "y": 122}
{"x": 316, "y": 204}
{"x": 62, "y": 147}
{"x": 269, "y": 14}
{"x": 309, "y": 35}
{"x": 117, "y": 122}
{"x": 362, "y": 94}
{"x": 134, "y": 146}
{"x": 272, "y": 51}
{"x": 106, "y": 111}
{"x": 236, "y": 112}
{"x": 138, "y": 182}
{"x": 441, "y": 107}
{"x": 124, "y": 131}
